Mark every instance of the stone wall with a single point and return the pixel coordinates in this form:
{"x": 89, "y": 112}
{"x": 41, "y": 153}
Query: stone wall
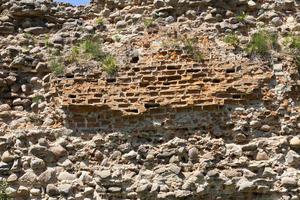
{"x": 168, "y": 125}
{"x": 159, "y": 87}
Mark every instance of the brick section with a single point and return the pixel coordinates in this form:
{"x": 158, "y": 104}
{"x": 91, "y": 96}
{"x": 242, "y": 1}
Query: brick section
{"x": 160, "y": 83}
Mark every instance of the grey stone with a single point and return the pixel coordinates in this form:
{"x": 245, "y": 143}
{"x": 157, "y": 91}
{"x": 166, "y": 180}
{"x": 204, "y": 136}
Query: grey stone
{"x": 170, "y": 19}
{"x": 57, "y": 39}
{"x": 4, "y": 168}
{"x": 276, "y": 21}
{"x": 244, "y": 185}
{"x": 295, "y": 142}
{"x": 292, "y": 158}
{"x": 289, "y": 182}
{"x": 131, "y": 155}
{"x": 121, "y": 24}
{"x": 158, "y": 3}
{"x": 36, "y": 30}
{"x": 48, "y": 176}
{"x": 65, "y": 189}
{"x": 193, "y": 154}
{"x": 37, "y": 164}
{"x": 103, "y": 174}
{"x": 28, "y": 179}
{"x": 42, "y": 153}
{"x": 65, "y": 176}
{"x": 7, "y": 157}
{"x": 52, "y": 190}
{"x": 4, "y": 107}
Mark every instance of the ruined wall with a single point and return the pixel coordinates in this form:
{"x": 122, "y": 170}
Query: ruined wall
{"x": 159, "y": 87}
{"x": 167, "y": 125}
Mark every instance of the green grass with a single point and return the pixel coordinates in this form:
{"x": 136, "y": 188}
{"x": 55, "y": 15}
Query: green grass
{"x": 292, "y": 41}
{"x": 74, "y": 54}
{"x": 3, "y": 195}
{"x": 148, "y": 22}
{"x": 87, "y": 50}
{"x": 232, "y": 39}
{"x": 99, "y": 21}
{"x": 93, "y": 49}
{"x": 241, "y": 17}
{"x": 37, "y": 99}
{"x": 191, "y": 49}
{"x": 56, "y": 66}
{"x": 295, "y": 42}
{"x": 116, "y": 38}
{"x": 47, "y": 41}
{"x": 171, "y": 43}
{"x": 109, "y": 65}
{"x": 28, "y": 36}
{"x": 261, "y": 43}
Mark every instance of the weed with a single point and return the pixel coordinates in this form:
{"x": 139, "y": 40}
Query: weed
{"x": 297, "y": 61}
{"x": 232, "y": 39}
{"x": 295, "y": 42}
{"x": 261, "y": 43}
{"x": 28, "y": 36}
{"x": 189, "y": 46}
{"x": 56, "y": 66}
{"x": 37, "y": 99}
{"x": 3, "y": 195}
{"x": 148, "y": 22}
{"x": 54, "y": 52}
{"x": 99, "y": 21}
{"x": 241, "y": 17}
{"x": 74, "y": 54}
{"x": 93, "y": 49}
{"x": 171, "y": 43}
{"x": 109, "y": 65}
{"x": 47, "y": 42}
{"x": 117, "y": 38}
{"x": 292, "y": 41}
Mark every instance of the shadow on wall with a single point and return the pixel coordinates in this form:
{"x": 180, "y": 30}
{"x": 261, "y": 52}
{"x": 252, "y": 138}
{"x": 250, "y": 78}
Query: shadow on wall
{"x": 163, "y": 123}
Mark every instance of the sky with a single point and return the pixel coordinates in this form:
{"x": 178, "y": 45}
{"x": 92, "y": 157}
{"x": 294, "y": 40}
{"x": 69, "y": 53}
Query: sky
{"x": 75, "y": 2}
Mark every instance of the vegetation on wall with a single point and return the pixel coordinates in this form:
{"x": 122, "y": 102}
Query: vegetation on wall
{"x": 232, "y": 39}
{"x": 261, "y": 43}
{"x": 91, "y": 49}
{"x": 3, "y": 194}
{"x": 56, "y": 65}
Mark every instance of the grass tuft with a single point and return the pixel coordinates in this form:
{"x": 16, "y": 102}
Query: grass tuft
{"x": 93, "y": 49}
{"x": 261, "y": 43}
{"x": 232, "y": 39}
{"x": 191, "y": 49}
{"x": 3, "y": 195}
{"x": 148, "y": 22}
{"x": 37, "y": 99}
{"x": 99, "y": 21}
{"x": 56, "y": 66}
{"x": 241, "y": 17}
{"x": 109, "y": 65}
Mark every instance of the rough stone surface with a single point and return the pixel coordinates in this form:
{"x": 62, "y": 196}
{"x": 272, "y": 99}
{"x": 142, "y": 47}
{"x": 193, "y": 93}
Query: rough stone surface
{"x": 149, "y": 99}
